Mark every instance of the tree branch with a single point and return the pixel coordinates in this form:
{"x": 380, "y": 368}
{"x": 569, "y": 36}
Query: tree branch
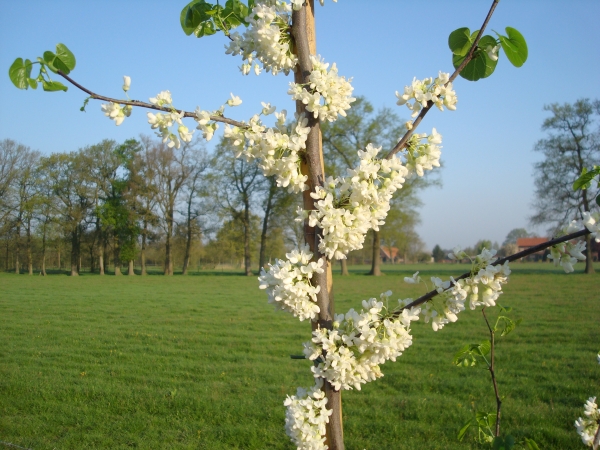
{"x": 514, "y": 257}
{"x": 402, "y": 143}
{"x": 144, "y": 104}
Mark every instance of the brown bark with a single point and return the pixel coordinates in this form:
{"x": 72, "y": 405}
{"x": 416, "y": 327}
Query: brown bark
{"x": 376, "y": 259}
{"x": 116, "y": 256}
{"x": 29, "y": 255}
{"x": 303, "y": 30}
{"x": 74, "y": 253}
{"x": 344, "y": 266}
{"x": 143, "y": 250}
{"x": 130, "y": 269}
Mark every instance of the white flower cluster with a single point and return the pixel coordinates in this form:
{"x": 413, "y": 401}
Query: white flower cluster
{"x": 588, "y": 427}
{"x": 423, "y": 91}
{"x": 266, "y": 39}
{"x": 116, "y": 112}
{"x": 592, "y": 222}
{"x": 454, "y": 293}
{"x": 348, "y": 207}
{"x": 306, "y": 416}
{"x": 328, "y": 94}
{"x": 288, "y": 283}
{"x": 350, "y": 354}
{"x": 276, "y": 149}
{"x": 164, "y": 121}
{"x": 421, "y": 156}
{"x": 566, "y": 254}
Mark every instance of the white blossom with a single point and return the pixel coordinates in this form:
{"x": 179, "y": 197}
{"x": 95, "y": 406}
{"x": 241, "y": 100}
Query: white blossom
{"x": 587, "y": 427}
{"x": 126, "y": 83}
{"x": 288, "y": 283}
{"x": 438, "y": 91}
{"x": 348, "y": 207}
{"x": 327, "y": 94}
{"x": 351, "y": 353}
{"x": 276, "y": 149}
{"x": 116, "y": 112}
{"x": 306, "y": 417}
{"x": 423, "y": 152}
{"x": 266, "y": 39}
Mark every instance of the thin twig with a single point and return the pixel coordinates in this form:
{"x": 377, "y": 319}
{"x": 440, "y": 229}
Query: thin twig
{"x": 146, "y": 105}
{"x": 493, "y": 373}
{"x": 402, "y": 143}
{"x": 501, "y": 261}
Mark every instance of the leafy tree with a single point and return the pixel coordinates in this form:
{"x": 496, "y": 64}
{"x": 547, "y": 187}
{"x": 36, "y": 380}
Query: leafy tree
{"x": 438, "y": 254}
{"x": 514, "y": 234}
{"x": 572, "y": 145}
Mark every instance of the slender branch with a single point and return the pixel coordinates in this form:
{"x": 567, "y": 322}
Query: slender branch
{"x": 501, "y": 261}
{"x": 596, "y": 441}
{"x": 146, "y": 105}
{"x": 493, "y": 373}
{"x": 402, "y": 143}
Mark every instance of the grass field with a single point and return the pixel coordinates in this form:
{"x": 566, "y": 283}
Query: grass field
{"x": 202, "y": 362}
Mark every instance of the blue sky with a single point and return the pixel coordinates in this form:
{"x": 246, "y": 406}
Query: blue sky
{"x": 488, "y": 142}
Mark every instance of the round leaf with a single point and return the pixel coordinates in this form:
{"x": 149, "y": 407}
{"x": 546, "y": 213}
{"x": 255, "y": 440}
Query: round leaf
{"x": 514, "y": 46}
{"x": 460, "y": 41}
{"x": 18, "y": 74}
{"x": 66, "y": 57}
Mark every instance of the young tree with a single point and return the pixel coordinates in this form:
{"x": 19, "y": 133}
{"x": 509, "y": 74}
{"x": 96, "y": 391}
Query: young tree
{"x": 347, "y": 349}
{"x": 571, "y": 147}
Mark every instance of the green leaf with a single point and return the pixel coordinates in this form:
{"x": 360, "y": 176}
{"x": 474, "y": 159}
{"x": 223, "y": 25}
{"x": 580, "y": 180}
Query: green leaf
{"x": 514, "y": 46}
{"x": 205, "y": 29}
{"x": 460, "y": 41}
{"x": 53, "y": 86}
{"x": 32, "y": 83}
{"x": 483, "y": 348}
{"x": 585, "y": 179}
{"x": 480, "y": 66}
{"x": 464, "y": 429}
{"x": 598, "y": 200}
{"x": 66, "y": 58}
{"x": 49, "y": 60}
{"x": 509, "y": 325}
{"x": 531, "y": 444}
{"x": 18, "y": 74}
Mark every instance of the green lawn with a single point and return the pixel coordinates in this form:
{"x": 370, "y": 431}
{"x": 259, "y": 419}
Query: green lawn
{"x": 202, "y": 362}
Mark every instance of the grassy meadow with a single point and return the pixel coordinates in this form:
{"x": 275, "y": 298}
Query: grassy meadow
{"x": 202, "y": 362}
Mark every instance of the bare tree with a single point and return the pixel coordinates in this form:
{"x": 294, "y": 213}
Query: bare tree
{"x": 572, "y": 145}
{"x": 238, "y": 182}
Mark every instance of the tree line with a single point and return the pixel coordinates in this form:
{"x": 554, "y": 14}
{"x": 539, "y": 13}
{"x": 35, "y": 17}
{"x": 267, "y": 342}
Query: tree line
{"x": 141, "y": 203}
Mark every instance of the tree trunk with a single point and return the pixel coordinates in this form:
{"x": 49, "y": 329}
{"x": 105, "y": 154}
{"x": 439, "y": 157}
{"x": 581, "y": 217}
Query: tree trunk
{"x": 344, "y": 264}
{"x": 589, "y": 256}
{"x": 303, "y": 30}
{"x": 43, "y": 272}
{"x": 17, "y": 250}
{"x": 74, "y": 253}
{"x": 29, "y": 255}
{"x": 265, "y": 225}
{"x": 168, "y": 251}
{"x": 143, "y": 252}
{"x": 247, "y": 261}
{"x": 101, "y": 259}
{"x": 116, "y": 255}
{"x": 376, "y": 260}
{"x": 130, "y": 270}
{"x": 58, "y": 258}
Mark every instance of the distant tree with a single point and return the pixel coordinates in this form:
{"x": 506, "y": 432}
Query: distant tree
{"x": 481, "y": 244}
{"x": 438, "y": 254}
{"x": 238, "y": 183}
{"x": 343, "y": 139}
{"x": 572, "y": 145}
{"x": 514, "y": 234}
